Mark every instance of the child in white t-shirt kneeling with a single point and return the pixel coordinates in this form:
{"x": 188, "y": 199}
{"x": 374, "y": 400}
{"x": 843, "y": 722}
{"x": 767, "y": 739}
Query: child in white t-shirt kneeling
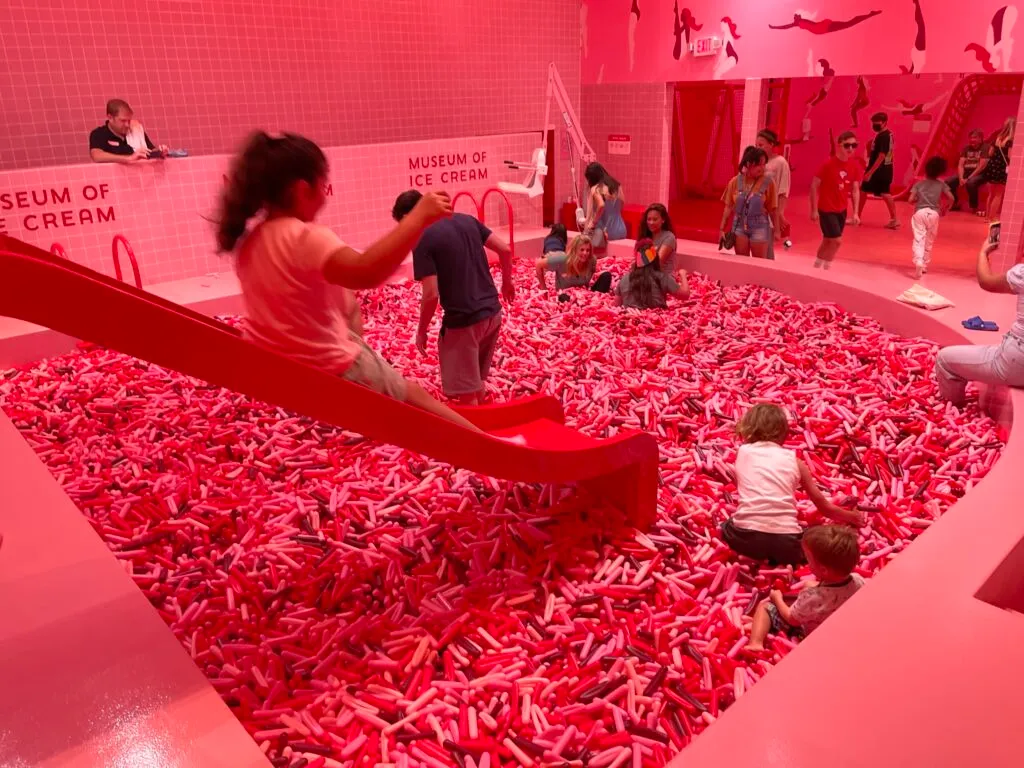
{"x": 832, "y": 553}
{"x": 765, "y": 525}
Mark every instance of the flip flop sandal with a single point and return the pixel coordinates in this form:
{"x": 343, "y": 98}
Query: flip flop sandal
{"x": 977, "y": 324}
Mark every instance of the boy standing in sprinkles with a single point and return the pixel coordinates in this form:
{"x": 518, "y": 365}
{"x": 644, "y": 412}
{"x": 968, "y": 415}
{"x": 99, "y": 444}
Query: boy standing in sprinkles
{"x": 451, "y": 265}
{"x": 832, "y": 554}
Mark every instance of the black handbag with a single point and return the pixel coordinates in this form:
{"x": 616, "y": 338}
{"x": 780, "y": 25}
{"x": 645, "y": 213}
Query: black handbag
{"x": 603, "y": 284}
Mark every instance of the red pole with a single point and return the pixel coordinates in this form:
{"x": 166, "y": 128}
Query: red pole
{"x": 131, "y": 257}
{"x": 479, "y": 206}
{"x": 511, "y": 217}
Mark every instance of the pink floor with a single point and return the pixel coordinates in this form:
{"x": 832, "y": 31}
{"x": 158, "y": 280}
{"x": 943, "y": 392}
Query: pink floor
{"x": 955, "y": 248}
{"x": 861, "y": 691}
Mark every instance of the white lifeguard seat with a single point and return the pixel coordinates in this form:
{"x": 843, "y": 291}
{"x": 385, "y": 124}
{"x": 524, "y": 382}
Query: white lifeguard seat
{"x": 533, "y": 186}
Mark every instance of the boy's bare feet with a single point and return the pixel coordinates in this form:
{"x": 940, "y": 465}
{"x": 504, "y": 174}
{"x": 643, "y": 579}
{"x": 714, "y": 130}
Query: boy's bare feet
{"x": 754, "y": 647}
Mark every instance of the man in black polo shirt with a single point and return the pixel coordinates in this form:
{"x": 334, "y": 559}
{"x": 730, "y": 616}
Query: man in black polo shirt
{"x": 450, "y": 262}
{"x": 109, "y": 142}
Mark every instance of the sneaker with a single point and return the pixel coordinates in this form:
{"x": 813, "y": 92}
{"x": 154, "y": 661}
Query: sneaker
{"x": 818, "y": 263}
{"x": 894, "y": 224}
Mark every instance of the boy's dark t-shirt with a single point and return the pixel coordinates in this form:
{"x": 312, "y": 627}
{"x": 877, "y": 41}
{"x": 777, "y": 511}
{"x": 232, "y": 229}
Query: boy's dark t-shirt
{"x": 881, "y": 145}
{"x": 453, "y": 249}
{"x": 105, "y": 139}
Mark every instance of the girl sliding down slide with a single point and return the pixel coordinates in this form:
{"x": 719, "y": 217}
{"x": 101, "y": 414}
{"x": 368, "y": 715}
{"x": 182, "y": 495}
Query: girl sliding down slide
{"x": 289, "y": 267}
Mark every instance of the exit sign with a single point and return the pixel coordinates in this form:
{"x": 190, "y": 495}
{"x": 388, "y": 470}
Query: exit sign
{"x": 705, "y": 46}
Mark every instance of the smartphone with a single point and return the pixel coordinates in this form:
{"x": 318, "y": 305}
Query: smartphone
{"x": 993, "y": 232}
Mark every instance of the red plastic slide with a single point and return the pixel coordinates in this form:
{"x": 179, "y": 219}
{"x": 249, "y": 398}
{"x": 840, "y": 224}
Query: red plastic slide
{"x": 43, "y": 289}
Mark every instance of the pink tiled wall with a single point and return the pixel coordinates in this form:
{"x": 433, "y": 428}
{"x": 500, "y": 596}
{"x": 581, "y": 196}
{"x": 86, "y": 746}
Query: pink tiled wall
{"x": 1012, "y": 237}
{"x": 163, "y": 207}
{"x": 643, "y": 112}
{"x": 201, "y": 73}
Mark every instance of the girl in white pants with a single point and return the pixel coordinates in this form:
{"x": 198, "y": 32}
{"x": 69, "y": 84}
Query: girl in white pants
{"x": 927, "y": 195}
{"x": 999, "y": 364}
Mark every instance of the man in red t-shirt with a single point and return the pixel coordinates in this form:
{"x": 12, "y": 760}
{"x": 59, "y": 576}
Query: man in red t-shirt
{"x": 831, "y": 188}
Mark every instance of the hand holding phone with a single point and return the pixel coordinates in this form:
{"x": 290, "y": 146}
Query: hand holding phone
{"x": 993, "y": 232}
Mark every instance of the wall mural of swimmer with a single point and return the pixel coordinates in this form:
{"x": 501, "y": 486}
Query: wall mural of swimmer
{"x": 630, "y": 42}
{"x": 918, "y": 110}
{"x": 998, "y": 48}
{"x": 727, "y": 55}
{"x": 804, "y": 20}
{"x": 917, "y": 51}
{"x": 683, "y": 22}
{"x": 860, "y": 101}
{"x": 634, "y": 19}
{"x": 824, "y": 70}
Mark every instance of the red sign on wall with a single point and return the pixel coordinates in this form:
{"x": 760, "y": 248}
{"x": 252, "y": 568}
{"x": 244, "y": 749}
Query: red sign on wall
{"x": 618, "y": 143}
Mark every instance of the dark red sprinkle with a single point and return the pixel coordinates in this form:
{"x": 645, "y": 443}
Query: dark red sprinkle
{"x": 316, "y": 749}
{"x": 647, "y": 733}
{"x": 528, "y": 746}
{"x": 405, "y": 738}
{"x": 656, "y": 681}
{"x": 694, "y": 654}
{"x": 754, "y": 599}
{"x": 454, "y": 748}
{"x": 687, "y": 697}
{"x": 643, "y": 656}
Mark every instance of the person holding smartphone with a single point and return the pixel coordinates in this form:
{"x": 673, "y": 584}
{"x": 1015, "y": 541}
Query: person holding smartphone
{"x": 122, "y": 139}
{"x": 1001, "y": 363}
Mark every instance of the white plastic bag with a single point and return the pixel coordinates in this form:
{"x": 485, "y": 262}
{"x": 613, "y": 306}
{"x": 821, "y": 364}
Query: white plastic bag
{"x": 919, "y": 296}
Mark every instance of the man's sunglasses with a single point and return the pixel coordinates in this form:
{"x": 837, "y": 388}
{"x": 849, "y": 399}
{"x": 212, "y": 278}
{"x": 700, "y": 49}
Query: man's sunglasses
{"x": 850, "y": 145}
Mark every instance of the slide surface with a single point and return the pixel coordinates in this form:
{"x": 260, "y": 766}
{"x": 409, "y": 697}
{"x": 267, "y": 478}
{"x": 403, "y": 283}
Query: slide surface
{"x": 43, "y": 289}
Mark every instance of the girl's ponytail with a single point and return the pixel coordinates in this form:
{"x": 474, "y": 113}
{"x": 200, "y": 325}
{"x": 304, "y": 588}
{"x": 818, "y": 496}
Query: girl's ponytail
{"x": 262, "y": 174}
